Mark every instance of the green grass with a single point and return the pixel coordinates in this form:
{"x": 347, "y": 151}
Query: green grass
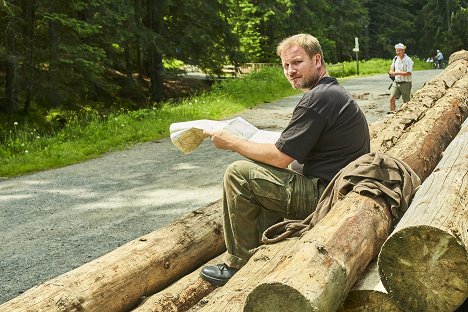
{"x": 375, "y": 66}
{"x": 73, "y": 137}
{"x": 88, "y": 134}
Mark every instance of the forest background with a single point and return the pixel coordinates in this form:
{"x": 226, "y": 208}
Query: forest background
{"x": 106, "y": 56}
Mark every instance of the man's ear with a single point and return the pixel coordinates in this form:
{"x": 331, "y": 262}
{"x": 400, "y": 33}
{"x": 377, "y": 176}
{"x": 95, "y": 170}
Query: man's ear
{"x": 317, "y": 60}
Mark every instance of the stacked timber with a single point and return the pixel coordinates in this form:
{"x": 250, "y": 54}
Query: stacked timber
{"x": 118, "y": 280}
{"x": 423, "y": 265}
{"x": 369, "y": 292}
{"x": 315, "y": 272}
{"x": 335, "y": 252}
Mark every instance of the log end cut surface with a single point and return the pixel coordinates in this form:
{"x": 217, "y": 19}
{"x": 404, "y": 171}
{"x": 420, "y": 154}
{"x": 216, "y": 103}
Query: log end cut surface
{"x": 276, "y": 297}
{"x": 430, "y": 275}
{"x": 368, "y": 301}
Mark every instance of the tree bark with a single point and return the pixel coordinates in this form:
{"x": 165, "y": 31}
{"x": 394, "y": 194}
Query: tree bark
{"x": 181, "y": 295}
{"x": 117, "y": 280}
{"x": 427, "y": 251}
{"x": 155, "y": 60}
{"x": 29, "y": 10}
{"x": 314, "y": 282}
{"x": 387, "y": 133}
{"x": 11, "y": 73}
{"x": 319, "y": 273}
{"x": 53, "y": 84}
{"x": 362, "y": 290}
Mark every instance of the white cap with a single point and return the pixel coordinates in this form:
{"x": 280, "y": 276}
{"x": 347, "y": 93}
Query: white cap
{"x": 400, "y": 46}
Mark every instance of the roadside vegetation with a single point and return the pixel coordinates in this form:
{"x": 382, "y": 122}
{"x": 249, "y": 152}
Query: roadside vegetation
{"x": 69, "y": 137}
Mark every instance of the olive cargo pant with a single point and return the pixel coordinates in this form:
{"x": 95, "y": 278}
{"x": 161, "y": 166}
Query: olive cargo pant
{"x": 257, "y": 196}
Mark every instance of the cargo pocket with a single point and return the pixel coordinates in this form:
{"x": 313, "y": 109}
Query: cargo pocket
{"x": 272, "y": 188}
{"x": 305, "y": 197}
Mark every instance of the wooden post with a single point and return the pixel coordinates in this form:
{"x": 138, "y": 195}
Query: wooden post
{"x": 424, "y": 263}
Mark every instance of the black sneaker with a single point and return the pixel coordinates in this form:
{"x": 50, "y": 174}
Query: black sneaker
{"x": 217, "y": 274}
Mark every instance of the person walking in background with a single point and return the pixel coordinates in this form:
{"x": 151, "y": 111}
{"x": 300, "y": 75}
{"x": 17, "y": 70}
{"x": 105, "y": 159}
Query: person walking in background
{"x": 401, "y": 69}
{"x": 327, "y": 131}
{"x": 439, "y": 58}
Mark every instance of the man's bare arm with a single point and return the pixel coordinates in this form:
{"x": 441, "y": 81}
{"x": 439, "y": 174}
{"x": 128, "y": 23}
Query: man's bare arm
{"x": 266, "y": 153}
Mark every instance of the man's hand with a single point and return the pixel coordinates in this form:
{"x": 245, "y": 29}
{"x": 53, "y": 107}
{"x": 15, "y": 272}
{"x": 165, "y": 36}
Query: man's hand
{"x": 222, "y": 139}
{"x": 266, "y": 153}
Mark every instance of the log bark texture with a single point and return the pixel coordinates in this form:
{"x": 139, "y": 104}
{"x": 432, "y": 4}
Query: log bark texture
{"x": 424, "y": 263}
{"x": 327, "y": 245}
{"x": 181, "y": 295}
{"x": 363, "y": 292}
{"x": 117, "y": 280}
{"x": 387, "y": 132}
{"x": 327, "y": 261}
{"x": 321, "y": 283}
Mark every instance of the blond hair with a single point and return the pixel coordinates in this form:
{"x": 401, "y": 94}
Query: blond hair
{"x": 309, "y": 43}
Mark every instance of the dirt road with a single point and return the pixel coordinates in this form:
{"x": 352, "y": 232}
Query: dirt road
{"x": 54, "y": 221}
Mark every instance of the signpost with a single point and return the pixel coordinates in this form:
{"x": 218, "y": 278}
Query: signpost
{"x": 356, "y": 49}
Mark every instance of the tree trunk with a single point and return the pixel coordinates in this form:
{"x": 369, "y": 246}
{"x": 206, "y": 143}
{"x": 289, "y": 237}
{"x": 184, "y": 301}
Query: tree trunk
{"x": 315, "y": 282}
{"x": 29, "y": 9}
{"x": 11, "y": 73}
{"x": 117, "y": 280}
{"x": 53, "y": 86}
{"x": 155, "y": 64}
{"x": 181, "y": 295}
{"x": 428, "y": 249}
{"x": 362, "y": 290}
{"x": 328, "y": 259}
{"x": 371, "y": 296}
{"x": 386, "y": 133}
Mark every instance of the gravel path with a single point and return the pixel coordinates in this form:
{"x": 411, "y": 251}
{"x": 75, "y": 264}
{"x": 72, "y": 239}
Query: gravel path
{"x": 56, "y": 220}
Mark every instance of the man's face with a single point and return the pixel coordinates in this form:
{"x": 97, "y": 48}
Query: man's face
{"x": 400, "y": 52}
{"x": 300, "y": 70}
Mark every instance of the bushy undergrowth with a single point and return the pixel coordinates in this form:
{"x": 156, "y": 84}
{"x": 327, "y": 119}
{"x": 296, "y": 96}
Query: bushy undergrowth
{"x": 67, "y": 137}
{"x": 375, "y": 66}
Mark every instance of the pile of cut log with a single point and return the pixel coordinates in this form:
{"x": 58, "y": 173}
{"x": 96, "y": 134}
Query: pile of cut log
{"x": 421, "y": 266}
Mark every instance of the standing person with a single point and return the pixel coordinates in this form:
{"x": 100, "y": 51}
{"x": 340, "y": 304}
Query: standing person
{"x": 439, "y": 58}
{"x": 327, "y": 131}
{"x": 401, "y": 69}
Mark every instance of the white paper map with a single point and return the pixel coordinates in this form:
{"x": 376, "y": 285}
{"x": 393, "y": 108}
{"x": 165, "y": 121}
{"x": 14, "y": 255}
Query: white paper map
{"x": 188, "y": 135}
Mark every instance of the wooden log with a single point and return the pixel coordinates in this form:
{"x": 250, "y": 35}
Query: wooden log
{"x": 441, "y": 117}
{"x": 427, "y": 251}
{"x": 421, "y": 146}
{"x": 459, "y": 55}
{"x": 355, "y": 221}
{"x": 386, "y": 133}
{"x": 322, "y": 269}
{"x": 271, "y": 270}
{"x": 117, "y": 280}
{"x": 371, "y": 296}
{"x": 180, "y": 296}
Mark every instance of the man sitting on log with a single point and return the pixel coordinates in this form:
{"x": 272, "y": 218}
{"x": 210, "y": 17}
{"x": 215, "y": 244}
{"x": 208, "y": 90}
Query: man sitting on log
{"x": 326, "y": 132}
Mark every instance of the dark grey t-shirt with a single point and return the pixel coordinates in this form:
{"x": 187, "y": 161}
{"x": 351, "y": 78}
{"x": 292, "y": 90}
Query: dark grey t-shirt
{"x": 327, "y": 131}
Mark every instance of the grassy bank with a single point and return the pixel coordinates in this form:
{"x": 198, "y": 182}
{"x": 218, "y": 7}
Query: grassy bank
{"x": 78, "y": 136}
